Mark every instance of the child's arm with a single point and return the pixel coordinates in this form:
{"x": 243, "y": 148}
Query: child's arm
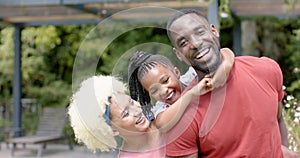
{"x": 167, "y": 119}
{"x": 222, "y": 73}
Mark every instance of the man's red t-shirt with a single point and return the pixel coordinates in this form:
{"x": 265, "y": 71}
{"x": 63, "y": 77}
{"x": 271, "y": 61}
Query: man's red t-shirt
{"x": 246, "y": 124}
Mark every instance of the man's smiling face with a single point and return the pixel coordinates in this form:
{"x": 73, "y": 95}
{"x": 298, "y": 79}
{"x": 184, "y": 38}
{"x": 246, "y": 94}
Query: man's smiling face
{"x": 196, "y": 42}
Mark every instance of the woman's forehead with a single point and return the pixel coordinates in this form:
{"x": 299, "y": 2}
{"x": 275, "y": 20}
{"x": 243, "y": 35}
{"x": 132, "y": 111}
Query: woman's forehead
{"x": 118, "y": 102}
{"x": 121, "y": 98}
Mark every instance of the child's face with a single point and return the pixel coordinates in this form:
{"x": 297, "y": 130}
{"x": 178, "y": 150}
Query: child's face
{"x": 127, "y": 116}
{"x": 162, "y": 83}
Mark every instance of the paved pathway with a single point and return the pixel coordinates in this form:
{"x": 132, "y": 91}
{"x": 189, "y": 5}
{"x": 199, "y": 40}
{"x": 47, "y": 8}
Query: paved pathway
{"x": 54, "y": 151}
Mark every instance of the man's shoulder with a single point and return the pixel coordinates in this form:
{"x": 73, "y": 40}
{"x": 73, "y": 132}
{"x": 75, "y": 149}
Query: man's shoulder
{"x": 257, "y": 66}
{"x": 257, "y": 62}
{"x": 251, "y": 59}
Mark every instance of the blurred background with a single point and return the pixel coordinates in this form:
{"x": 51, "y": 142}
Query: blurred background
{"x": 49, "y": 37}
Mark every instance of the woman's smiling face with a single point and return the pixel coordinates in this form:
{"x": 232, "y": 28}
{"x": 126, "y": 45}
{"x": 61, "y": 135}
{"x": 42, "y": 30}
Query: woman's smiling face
{"x": 126, "y": 115}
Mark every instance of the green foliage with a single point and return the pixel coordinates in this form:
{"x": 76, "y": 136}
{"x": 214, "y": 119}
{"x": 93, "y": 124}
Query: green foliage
{"x": 116, "y": 57}
{"x": 6, "y": 64}
{"x": 283, "y": 35}
{"x": 227, "y": 20}
{"x": 293, "y": 57}
{"x": 108, "y": 47}
{"x": 48, "y": 54}
{"x": 29, "y": 122}
{"x": 292, "y": 119}
{"x": 4, "y": 123}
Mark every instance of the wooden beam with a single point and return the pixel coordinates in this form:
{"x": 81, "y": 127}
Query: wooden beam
{"x": 51, "y": 2}
{"x": 22, "y": 19}
{"x": 264, "y": 8}
{"x": 168, "y": 4}
{"x": 37, "y": 11}
{"x": 145, "y": 13}
{"x": 142, "y": 15}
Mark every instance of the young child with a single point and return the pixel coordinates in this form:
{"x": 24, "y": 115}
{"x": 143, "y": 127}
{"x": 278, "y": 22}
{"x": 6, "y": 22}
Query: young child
{"x": 157, "y": 76}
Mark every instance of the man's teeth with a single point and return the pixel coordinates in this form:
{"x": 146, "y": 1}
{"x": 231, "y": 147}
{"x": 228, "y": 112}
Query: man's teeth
{"x": 198, "y": 56}
{"x": 201, "y": 54}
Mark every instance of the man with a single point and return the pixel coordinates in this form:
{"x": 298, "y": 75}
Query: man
{"x": 236, "y": 120}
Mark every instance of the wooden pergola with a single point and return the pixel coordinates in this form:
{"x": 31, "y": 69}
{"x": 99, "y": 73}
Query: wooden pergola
{"x": 278, "y": 8}
{"x": 61, "y": 12}
{"x": 22, "y": 13}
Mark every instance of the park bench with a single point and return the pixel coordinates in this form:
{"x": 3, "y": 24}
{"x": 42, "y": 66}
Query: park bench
{"x": 50, "y": 128}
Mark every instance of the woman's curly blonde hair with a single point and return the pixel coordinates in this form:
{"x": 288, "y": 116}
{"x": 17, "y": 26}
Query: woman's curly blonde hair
{"x": 87, "y": 108}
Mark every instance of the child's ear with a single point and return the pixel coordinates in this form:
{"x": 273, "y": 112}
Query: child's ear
{"x": 177, "y": 72}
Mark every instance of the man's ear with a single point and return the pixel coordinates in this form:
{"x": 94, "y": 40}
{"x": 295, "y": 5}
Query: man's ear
{"x": 177, "y": 72}
{"x": 214, "y": 30}
{"x": 180, "y": 56}
{"x": 177, "y": 53}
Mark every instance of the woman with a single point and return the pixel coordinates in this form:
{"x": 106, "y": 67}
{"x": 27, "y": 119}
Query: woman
{"x": 101, "y": 110}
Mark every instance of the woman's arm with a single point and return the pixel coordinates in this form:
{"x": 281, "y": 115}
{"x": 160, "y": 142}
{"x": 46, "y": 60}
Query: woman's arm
{"x": 168, "y": 118}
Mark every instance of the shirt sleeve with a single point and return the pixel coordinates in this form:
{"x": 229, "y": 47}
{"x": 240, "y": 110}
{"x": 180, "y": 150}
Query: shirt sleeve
{"x": 276, "y": 76}
{"x": 189, "y": 76}
{"x": 159, "y": 107}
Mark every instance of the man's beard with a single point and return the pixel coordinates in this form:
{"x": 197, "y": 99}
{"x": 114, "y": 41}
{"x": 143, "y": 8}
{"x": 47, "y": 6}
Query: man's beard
{"x": 205, "y": 69}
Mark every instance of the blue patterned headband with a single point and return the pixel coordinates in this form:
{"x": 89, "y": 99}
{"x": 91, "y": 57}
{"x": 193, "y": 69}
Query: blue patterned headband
{"x": 107, "y": 111}
{"x": 147, "y": 112}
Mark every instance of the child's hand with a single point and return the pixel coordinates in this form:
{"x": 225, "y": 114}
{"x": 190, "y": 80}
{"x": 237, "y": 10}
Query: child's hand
{"x": 204, "y": 86}
{"x": 219, "y": 77}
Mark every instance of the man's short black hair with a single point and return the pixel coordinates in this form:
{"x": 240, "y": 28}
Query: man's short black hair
{"x": 177, "y": 15}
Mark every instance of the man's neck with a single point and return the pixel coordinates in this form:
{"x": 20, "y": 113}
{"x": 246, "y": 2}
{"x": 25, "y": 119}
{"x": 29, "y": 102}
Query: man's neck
{"x": 201, "y": 75}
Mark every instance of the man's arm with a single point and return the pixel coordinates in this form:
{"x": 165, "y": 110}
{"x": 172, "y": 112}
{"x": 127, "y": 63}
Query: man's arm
{"x": 287, "y": 153}
{"x": 282, "y": 126}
